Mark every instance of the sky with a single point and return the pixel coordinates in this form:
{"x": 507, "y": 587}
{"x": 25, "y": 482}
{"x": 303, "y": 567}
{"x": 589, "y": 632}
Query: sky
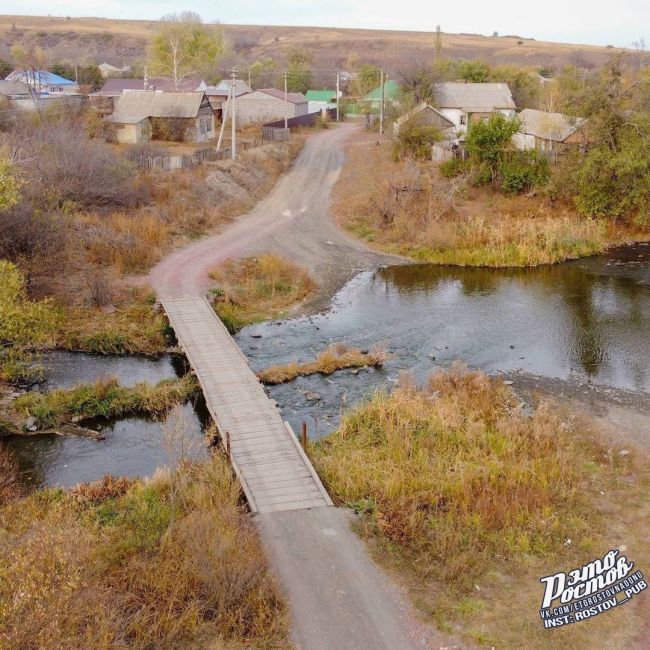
{"x": 576, "y": 21}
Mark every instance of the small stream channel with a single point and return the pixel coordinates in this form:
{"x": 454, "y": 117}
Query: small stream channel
{"x": 586, "y": 319}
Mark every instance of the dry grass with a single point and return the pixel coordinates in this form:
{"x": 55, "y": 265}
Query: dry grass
{"x": 142, "y": 565}
{"x": 132, "y": 327}
{"x": 447, "y": 222}
{"x": 105, "y": 39}
{"x": 471, "y": 501}
{"x": 336, "y": 357}
{"x": 9, "y": 481}
{"x": 257, "y": 288}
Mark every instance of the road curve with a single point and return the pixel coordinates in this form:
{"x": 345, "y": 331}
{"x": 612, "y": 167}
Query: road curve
{"x": 338, "y": 598}
{"x": 293, "y": 220}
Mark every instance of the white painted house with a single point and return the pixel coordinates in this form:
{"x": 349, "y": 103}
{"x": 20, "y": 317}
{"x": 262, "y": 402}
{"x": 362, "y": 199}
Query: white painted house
{"x": 463, "y": 102}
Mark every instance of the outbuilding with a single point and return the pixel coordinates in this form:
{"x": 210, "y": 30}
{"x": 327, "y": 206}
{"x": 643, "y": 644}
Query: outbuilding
{"x": 177, "y": 116}
{"x": 268, "y": 104}
{"x": 550, "y": 132}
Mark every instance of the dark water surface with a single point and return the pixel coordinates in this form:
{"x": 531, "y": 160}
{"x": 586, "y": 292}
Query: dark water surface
{"x": 132, "y": 446}
{"x": 588, "y": 319}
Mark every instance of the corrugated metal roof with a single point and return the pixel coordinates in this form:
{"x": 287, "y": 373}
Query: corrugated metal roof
{"x": 8, "y": 88}
{"x": 391, "y": 88}
{"x": 41, "y": 77}
{"x": 549, "y": 126}
{"x": 294, "y": 98}
{"x": 223, "y": 88}
{"x": 473, "y": 97}
{"x": 157, "y": 104}
{"x": 422, "y": 106}
{"x": 321, "y": 95}
{"x": 116, "y": 118}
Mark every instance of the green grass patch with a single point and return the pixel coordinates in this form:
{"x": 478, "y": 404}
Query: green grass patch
{"x": 105, "y": 398}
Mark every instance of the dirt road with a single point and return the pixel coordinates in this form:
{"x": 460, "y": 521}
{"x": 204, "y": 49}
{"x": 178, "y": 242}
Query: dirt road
{"x": 293, "y": 220}
{"x": 338, "y": 598}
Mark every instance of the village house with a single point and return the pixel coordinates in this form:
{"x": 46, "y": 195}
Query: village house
{"x": 462, "y": 103}
{"x": 105, "y": 99}
{"x": 320, "y": 100}
{"x": 218, "y": 95}
{"x": 391, "y": 93}
{"x": 109, "y": 70}
{"x": 145, "y": 115}
{"x": 426, "y": 115}
{"x": 268, "y": 104}
{"x": 549, "y": 132}
{"x": 44, "y": 82}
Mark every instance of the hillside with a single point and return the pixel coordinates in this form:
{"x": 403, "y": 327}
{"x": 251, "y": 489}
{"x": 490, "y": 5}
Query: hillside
{"x": 94, "y": 40}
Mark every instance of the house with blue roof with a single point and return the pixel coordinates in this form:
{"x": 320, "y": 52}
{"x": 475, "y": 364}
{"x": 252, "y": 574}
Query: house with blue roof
{"x": 44, "y": 82}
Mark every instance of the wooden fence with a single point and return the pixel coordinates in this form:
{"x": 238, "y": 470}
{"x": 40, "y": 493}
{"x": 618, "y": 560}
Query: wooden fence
{"x": 165, "y": 162}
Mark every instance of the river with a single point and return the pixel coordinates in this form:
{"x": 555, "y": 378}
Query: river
{"x": 586, "y": 320}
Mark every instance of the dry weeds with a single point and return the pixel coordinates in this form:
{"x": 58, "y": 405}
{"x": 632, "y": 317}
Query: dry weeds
{"x": 336, "y": 357}
{"x": 257, "y": 288}
{"x": 102, "y": 567}
{"x": 470, "y": 501}
{"x": 412, "y": 210}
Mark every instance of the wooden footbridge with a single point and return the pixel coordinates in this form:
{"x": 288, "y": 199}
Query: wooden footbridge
{"x": 271, "y": 465}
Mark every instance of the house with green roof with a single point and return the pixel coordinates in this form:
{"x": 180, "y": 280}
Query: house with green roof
{"x": 391, "y": 92}
{"x": 320, "y": 99}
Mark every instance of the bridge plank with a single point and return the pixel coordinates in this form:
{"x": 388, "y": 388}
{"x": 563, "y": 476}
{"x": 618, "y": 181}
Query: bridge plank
{"x": 274, "y": 471}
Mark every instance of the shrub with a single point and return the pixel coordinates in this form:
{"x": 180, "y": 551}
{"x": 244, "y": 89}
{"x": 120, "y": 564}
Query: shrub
{"x": 615, "y": 184}
{"x": 171, "y": 129}
{"x": 416, "y": 140}
{"x": 522, "y": 171}
{"x": 63, "y": 168}
{"x": 22, "y": 321}
{"x": 454, "y": 167}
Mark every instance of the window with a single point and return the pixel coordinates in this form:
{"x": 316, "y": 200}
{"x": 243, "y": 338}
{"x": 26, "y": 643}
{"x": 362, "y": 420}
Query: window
{"x": 463, "y": 120}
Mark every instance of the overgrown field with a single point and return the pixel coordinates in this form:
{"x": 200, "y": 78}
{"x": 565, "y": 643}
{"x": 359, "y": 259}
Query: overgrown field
{"x": 170, "y": 562}
{"x": 257, "y": 288}
{"x": 471, "y": 501}
{"x": 410, "y": 209}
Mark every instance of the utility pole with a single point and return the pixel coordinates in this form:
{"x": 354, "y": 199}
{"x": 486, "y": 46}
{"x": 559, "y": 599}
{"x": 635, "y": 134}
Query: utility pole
{"x": 76, "y": 74}
{"x": 286, "y": 100}
{"x": 249, "y": 78}
{"x": 233, "y": 144}
{"x": 381, "y": 105}
{"x": 145, "y": 83}
{"x": 338, "y": 80}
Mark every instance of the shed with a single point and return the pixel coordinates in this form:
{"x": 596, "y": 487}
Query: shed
{"x": 183, "y": 116}
{"x": 268, "y": 104}
{"x": 130, "y": 129}
{"x": 549, "y": 131}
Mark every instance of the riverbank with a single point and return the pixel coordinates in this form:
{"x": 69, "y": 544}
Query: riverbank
{"x": 170, "y": 561}
{"x": 468, "y": 499}
{"x": 410, "y": 209}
